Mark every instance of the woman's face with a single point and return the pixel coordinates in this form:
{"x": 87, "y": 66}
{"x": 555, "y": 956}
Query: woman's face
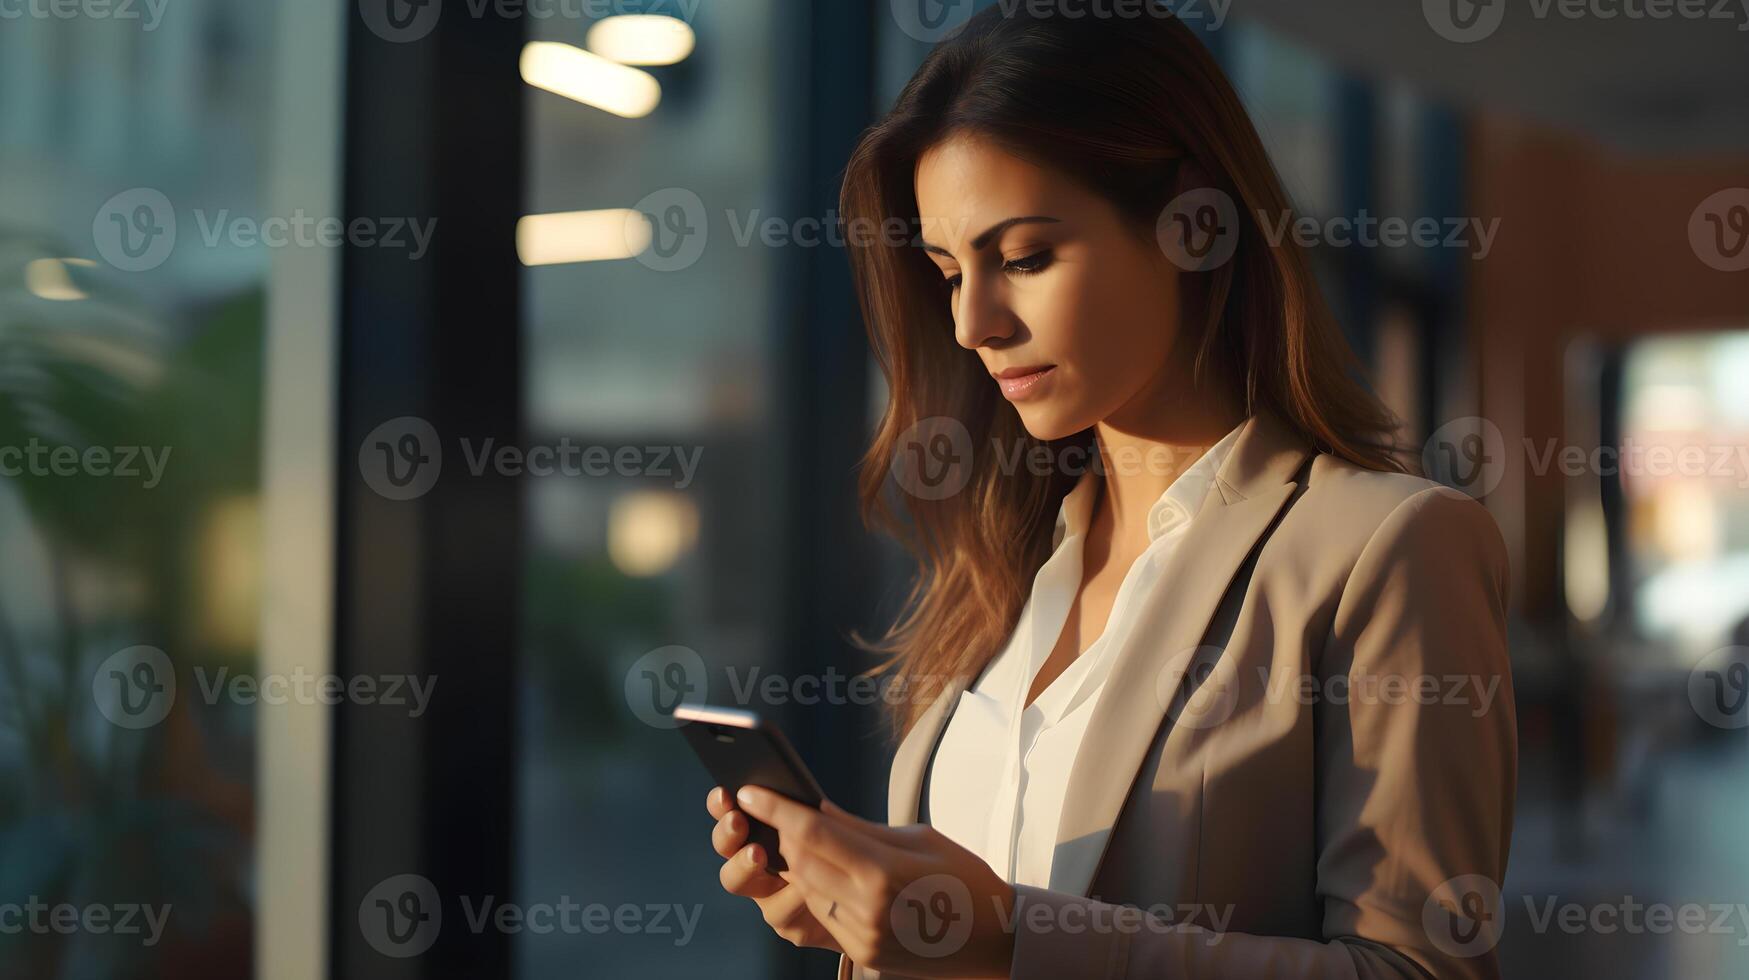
{"x": 1074, "y": 316}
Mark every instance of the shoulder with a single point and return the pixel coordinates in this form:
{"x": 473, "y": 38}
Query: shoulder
{"x": 1365, "y": 502}
{"x": 1371, "y": 522}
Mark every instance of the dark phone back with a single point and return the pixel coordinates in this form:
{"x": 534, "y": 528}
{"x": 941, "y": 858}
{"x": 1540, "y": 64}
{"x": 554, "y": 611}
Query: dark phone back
{"x": 739, "y": 756}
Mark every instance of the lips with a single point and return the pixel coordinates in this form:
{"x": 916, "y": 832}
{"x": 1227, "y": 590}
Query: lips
{"x": 1023, "y": 382}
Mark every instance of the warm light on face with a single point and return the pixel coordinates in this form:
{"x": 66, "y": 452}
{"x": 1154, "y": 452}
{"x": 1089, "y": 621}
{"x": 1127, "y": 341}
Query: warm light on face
{"x": 581, "y": 236}
{"x": 1055, "y": 293}
{"x": 641, "y": 39}
{"x": 590, "y": 79}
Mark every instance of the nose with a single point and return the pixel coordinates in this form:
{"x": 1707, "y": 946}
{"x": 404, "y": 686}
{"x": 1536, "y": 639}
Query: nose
{"x": 981, "y": 316}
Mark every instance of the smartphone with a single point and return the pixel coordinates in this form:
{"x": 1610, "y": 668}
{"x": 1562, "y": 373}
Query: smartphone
{"x": 739, "y": 748}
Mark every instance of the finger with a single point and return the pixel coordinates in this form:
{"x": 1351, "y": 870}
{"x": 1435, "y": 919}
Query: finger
{"x": 783, "y": 909}
{"x": 718, "y": 802}
{"x": 730, "y": 833}
{"x": 841, "y": 839}
{"x": 899, "y": 838}
{"x": 745, "y": 874}
{"x": 822, "y": 854}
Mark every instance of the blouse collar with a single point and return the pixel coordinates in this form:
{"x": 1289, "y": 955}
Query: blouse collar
{"x": 1176, "y": 507}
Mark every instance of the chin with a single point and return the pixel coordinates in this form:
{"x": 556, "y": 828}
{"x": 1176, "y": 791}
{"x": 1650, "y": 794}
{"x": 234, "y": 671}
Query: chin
{"x": 1045, "y": 422}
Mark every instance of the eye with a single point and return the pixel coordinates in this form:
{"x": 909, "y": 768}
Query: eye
{"x": 1026, "y": 265}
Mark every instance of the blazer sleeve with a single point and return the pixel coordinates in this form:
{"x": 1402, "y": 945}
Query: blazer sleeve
{"x": 1415, "y": 795}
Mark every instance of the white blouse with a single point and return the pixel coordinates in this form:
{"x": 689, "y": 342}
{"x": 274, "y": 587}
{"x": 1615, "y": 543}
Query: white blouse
{"x": 997, "y": 780}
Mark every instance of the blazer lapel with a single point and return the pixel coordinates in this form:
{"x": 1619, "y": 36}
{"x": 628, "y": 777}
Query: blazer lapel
{"x": 905, "y": 783}
{"x": 1250, "y": 489}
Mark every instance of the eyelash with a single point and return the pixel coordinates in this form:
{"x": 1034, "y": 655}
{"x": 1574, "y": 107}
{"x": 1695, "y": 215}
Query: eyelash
{"x": 1026, "y": 265}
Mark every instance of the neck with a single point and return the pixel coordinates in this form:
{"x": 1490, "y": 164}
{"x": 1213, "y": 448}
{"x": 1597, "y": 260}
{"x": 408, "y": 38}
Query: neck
{"x": 1144, "y": 456}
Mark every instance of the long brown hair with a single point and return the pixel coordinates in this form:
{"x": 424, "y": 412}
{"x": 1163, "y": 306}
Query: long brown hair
{"x": 1119, "y": 104}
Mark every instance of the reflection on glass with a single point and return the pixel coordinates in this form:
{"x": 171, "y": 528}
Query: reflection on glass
{"x": 130, "y": 383}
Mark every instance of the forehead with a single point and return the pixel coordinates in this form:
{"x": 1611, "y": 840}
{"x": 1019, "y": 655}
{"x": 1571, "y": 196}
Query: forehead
{"x": 965, "y": 183}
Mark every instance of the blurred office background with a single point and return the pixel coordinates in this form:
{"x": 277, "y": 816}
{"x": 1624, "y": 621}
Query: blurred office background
{"x": 1610, "y": 308}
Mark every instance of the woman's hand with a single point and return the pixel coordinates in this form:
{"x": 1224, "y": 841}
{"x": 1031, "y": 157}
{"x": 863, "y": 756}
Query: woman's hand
{"x": 903, "y": 900}
{"x": 744, "y": 874}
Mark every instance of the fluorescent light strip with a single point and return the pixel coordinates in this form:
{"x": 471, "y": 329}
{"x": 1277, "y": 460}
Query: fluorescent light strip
{"x": 641, "y": 39}
{"x": 581, "y": 236}
{"x": 574, "y": 73}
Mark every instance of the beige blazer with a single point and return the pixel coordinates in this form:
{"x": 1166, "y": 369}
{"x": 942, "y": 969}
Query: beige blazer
{"x": 1296, "y": 767}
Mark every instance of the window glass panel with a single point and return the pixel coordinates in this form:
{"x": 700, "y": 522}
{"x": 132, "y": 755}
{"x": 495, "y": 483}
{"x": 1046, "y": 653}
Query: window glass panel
{"x": 658, "y": 359}
{"x": 133, "y": 160}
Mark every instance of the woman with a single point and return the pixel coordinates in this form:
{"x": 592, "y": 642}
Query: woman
{"x": 1233, "y": 700}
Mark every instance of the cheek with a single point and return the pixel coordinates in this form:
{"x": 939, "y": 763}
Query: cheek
{"x": 1113, "y": 322}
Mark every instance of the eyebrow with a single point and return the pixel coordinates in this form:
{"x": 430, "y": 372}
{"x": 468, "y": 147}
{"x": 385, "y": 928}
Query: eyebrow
{"x": 984, "y": 237}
